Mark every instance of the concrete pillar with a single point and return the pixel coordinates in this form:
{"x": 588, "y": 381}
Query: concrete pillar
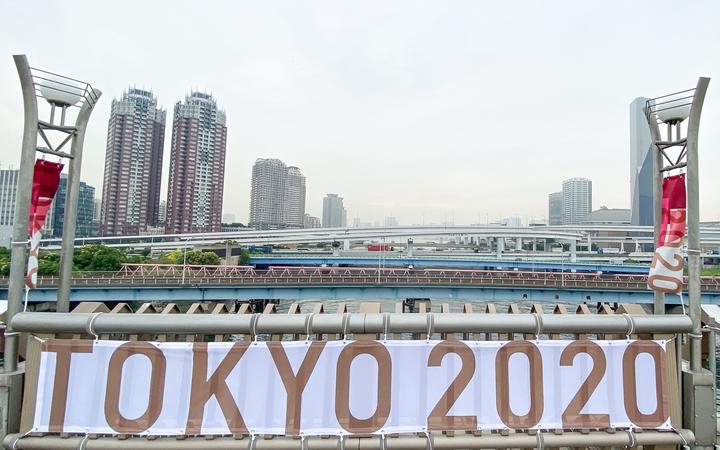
{"x": 518, "y": 243}
{"x": 589, "y": 242}
{"x": 573, "y": 251}
{"x": 637, "y": 246}
{"x": 409, "y": 252}
{"x": 622, "y": 247}
{"x": 346, "y": 244}
{"x": 499, "y": 246}
{"x": 534, "y": 245}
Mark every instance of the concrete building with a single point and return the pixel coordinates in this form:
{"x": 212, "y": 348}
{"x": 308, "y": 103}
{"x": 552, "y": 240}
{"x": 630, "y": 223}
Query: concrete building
{"x": 577, "y": 200}
{"x": 294, "y": 198}
{"x": 97, "y": 209}
{"x": 133, "y": 164}
{"x": 197, "y": 166}
{"x": 228, "y": 218}
{"x": 641, "y": 165}
{"x": 334, "y": 214}
{"x": 555, "y": 208}
{"x": 607, "y": 216}
{"x": 85, "y": 225}
{"x": 277, "y": 195}
{"x": 8, "y": 191}
{"x": 311, "y": 222}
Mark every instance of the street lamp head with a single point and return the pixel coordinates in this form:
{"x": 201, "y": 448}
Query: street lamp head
{"x": 59, "y": 90}
{"x": 673, "y": 110}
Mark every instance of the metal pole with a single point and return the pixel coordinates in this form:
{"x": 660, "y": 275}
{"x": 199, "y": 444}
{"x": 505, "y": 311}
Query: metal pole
{"x": 693, "y": 223}
{"x": 658, "y": 297}
{"x": 71, "y": 202}
{"x": 18, "y": 257}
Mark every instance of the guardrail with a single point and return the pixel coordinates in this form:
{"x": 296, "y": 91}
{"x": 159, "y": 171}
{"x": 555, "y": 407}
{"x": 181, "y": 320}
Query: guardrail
{"x": 215, "y": 322}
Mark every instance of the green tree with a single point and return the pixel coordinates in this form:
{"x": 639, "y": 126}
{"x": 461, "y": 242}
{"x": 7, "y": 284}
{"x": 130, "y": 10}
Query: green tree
{"x": 98, "y": 258}
{"x": 192, "y": 257}
{"x": 244, "y": 258}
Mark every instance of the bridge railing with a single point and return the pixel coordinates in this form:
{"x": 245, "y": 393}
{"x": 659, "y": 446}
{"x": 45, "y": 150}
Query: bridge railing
{"x": 228, "y": 322}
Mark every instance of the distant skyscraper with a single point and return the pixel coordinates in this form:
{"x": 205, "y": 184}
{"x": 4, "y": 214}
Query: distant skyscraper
{"x": 311, "y": 222}
{"x": 133, "y": 164}
{"x": 577, "y": 200}
{"x": 334, "y": 214}
{"x": 197, "y": 166}
{"x": 641, "y": 165}
{"x": 294, "y": 198}
{"x": 555, "y": 208}
{"x": 8, "y": 191}
{"x": 391, "y": 221}
{"x": 228, "y": 218}
{"x": 97, "y": 209}
{"x": 277, "y": 195}
{"x": 55, "y": 220}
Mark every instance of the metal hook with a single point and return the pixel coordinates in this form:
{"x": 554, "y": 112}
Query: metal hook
{"x": 341, "y": 442}
{"x": 633, "y": 439}
{"x": 383, "y": 441}
{"x": 308, "y": 326}
{"x": 345, "y": 320}
{"x": 253, "y": 326}
{"x": 386, "y": 320}
{"x": 429, "y": 438}
{"x": 83, "y": 443}
{"x": 251, "y": 446}
{"x": 540, "y": 440}
{"x": 538, "y": 325}
{"x": 631, "y": 325}
{"x": 430, "y": 323}
{"x": 91, "y": 325}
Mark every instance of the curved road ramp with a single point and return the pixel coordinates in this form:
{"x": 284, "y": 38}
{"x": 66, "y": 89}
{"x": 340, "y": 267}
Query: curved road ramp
{"x": 219, "y": 376}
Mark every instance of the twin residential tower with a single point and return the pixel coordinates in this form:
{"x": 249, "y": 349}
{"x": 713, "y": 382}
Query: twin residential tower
{"x": 133, "y": 165}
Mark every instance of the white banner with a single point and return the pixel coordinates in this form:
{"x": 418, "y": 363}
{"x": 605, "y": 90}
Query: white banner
{"x": 353, "y": 387}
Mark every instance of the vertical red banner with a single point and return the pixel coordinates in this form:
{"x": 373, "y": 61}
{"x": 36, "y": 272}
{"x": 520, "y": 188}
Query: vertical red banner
{"x": 666, "y": 270}
{"x": 46, "y": 180}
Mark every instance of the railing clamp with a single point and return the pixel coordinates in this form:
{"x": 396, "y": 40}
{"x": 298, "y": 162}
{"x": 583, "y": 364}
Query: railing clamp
{"x": 253, "y": 326}
{"x": 345, "y": 320}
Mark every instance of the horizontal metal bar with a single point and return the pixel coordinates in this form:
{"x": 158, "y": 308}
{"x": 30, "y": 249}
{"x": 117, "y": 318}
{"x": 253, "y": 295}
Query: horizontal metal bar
{"x": 673, "y": 167}
{"x": 70, "y": 129}
{"x": 404, "y": 442}
{"x": 355, "y": 323}
{"x": 55, "y": 152}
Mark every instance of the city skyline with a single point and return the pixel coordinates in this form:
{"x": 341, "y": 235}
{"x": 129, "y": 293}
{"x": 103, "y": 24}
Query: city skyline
{"x": 296, "y": 95}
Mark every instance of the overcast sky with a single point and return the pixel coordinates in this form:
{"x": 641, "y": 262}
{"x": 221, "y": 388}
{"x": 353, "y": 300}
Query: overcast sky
{"x": 427, "y": 111}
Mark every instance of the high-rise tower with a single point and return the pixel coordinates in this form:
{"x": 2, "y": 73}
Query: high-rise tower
{"x": 294, "y": 198}
{"x": 641, "y": 165}
{"x": 277, "y": 196}
{"x": 334, "y": 214}
{"x": 555, "y": 208}
{"x": 197, "y": 166}
{"x": 577, "y": 200}
{"x": 133, "y": 164}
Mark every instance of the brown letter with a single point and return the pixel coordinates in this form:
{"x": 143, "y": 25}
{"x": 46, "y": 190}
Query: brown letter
{"x": 571, "y": 417}
{"x": 294, "y": 384}
{"x": 438, "y": 418}
{"x": 113, "y": 416}
{"x": 202, "y": 388}
{"x": 657, "y": 417}
{"x": 63, "y": 350}
{"x": 342, "y": 387}
{"x": 502, "y": 384}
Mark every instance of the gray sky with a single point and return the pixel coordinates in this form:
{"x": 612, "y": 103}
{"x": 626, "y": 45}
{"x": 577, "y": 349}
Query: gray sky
{"x": 432, "y": 111}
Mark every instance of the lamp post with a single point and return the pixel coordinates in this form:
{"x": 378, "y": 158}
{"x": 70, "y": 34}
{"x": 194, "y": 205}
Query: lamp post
{"x": 671, "y": 152}
{"x": 62, "y": 94}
